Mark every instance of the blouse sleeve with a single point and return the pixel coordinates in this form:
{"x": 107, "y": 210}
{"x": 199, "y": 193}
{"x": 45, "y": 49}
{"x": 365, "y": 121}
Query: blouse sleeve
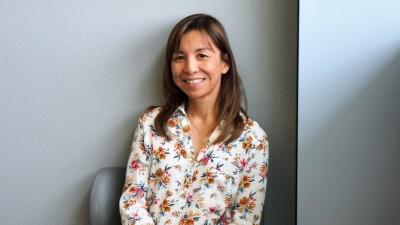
{"x": 250, "y": 197}
{"x": 132, "y": 204}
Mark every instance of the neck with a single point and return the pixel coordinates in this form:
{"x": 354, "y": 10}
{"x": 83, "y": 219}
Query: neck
{"x": 203, "y": 110}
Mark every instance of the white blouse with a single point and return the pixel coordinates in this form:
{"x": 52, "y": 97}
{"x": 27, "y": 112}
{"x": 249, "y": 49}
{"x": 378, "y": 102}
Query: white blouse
{"x": 165, "y": 184}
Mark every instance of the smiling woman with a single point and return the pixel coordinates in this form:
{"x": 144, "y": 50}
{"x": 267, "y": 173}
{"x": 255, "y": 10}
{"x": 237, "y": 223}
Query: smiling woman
{"x": 199, "y": 158}
{"x": 197, "y": 67}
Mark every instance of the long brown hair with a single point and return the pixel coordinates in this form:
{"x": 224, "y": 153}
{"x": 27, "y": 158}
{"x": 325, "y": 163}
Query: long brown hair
{"x": 231, "y": 95}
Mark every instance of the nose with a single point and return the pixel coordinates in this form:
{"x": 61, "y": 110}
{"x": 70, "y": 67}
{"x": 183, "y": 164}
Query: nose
{"x": 191, "y": 65}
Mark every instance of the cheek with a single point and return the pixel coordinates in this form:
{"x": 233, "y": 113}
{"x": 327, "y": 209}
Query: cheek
{"x": 175, "y": 71}
{"x": 175, "y": 77}
{"x": 215, "y": 67}
{"x": 175, "y": 80}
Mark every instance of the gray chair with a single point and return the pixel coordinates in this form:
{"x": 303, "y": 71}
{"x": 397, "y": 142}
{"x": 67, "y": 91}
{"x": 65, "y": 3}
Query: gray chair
{"x": 104, "y": 196}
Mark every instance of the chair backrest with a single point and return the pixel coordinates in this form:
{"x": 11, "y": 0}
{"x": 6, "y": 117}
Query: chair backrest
{"x": 104, "y": 196}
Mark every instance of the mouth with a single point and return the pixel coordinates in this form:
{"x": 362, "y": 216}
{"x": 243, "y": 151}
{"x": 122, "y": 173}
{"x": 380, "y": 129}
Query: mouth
{"x": 194, "y": 81}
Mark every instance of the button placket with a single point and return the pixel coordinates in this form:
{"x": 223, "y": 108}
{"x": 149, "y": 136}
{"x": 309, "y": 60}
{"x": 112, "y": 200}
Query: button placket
{"x": 188, "y": 182}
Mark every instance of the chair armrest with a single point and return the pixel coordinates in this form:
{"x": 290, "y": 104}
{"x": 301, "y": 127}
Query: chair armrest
{"x": 104, "y": 196}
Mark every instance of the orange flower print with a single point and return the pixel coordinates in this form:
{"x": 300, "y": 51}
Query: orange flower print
{"x": 186, "y": 129}
{"x": 159, "y": 172}
{"x": 180, "y": 150}
{"x": 186, "y": 183}
{"x": 246, "y": 203}
{"x": 142, "y": 148}
{"x": 209, "y": 176}
{"x": 161, "y": 176}
{"x": 263, "y": 171}
{"x": 159, "y": 153}
{"x": 243, "y": 201}
{"x": 251, "y": 205}
{"x": 248, "y": 143}
{"x": 165, "y": 206}
{"x": 191, "y": 217}
{"x": 172, "y": 122}
{"x": 128, "y": 203}
{"x": 195, "y": 173}
{"x": 186, "y": 222}
{"x": 261, "y": 146}
{"x": 183, "y": 153}
{"x": 246, "y": 182}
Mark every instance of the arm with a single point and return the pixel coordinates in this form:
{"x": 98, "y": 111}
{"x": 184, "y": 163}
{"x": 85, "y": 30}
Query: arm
{"x": 132, "y": 204}
{"x": 250, "y": 197}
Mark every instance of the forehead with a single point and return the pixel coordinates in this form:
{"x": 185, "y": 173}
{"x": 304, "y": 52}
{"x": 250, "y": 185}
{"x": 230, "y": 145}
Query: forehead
{"x": 194, "y": 40}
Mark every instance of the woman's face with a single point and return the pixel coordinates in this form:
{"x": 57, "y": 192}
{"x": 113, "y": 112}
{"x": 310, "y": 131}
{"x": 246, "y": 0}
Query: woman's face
{"x": 197, "y": 67}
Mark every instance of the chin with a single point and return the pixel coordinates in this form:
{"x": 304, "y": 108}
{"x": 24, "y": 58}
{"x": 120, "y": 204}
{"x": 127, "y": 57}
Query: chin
{"x": 194, "y": 96}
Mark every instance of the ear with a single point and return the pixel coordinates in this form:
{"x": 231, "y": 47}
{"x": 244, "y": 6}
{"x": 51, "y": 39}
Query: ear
{"x": 226, "y": 66}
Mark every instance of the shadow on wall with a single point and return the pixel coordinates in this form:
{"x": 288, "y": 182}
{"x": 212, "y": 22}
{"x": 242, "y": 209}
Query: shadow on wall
{"x": 150, "y": 93}
{"x": 357, "y": 156}
{"x": 145, "y": 90}
{"x": 146, "y": 87}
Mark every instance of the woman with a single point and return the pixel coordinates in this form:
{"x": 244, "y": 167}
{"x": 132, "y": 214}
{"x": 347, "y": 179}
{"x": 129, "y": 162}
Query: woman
{"x": 198, "y": 159}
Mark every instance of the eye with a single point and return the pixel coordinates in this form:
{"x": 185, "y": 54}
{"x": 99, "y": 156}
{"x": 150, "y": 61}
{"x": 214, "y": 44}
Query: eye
{"x": 178, "y": 58}
{"x": 203, "y": 56}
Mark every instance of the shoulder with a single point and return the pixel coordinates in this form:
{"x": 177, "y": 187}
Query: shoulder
{"x": 254, "y": 136}
{"x": 148, "y": 116}
{"x": 251, "y": 127}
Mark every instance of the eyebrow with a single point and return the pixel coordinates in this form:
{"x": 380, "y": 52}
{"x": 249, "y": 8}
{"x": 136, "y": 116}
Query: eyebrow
{"x": 197, "y": 50}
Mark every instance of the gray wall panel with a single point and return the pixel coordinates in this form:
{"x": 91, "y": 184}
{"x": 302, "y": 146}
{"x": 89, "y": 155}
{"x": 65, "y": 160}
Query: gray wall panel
{"x": 349, "y": 128}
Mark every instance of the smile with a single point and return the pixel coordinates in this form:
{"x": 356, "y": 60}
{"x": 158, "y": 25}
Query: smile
{"x": 194, "y": 81}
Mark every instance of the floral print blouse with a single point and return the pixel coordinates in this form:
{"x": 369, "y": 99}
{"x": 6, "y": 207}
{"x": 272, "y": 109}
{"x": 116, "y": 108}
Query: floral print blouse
{"x": 165, "y": 185}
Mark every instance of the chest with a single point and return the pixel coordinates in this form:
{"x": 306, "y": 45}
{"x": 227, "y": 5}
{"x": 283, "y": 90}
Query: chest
{"x": 179, "y": 156}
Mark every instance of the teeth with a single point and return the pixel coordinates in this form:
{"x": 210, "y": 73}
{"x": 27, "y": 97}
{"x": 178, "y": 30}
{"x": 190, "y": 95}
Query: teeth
{"x": 195, "y": 81}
